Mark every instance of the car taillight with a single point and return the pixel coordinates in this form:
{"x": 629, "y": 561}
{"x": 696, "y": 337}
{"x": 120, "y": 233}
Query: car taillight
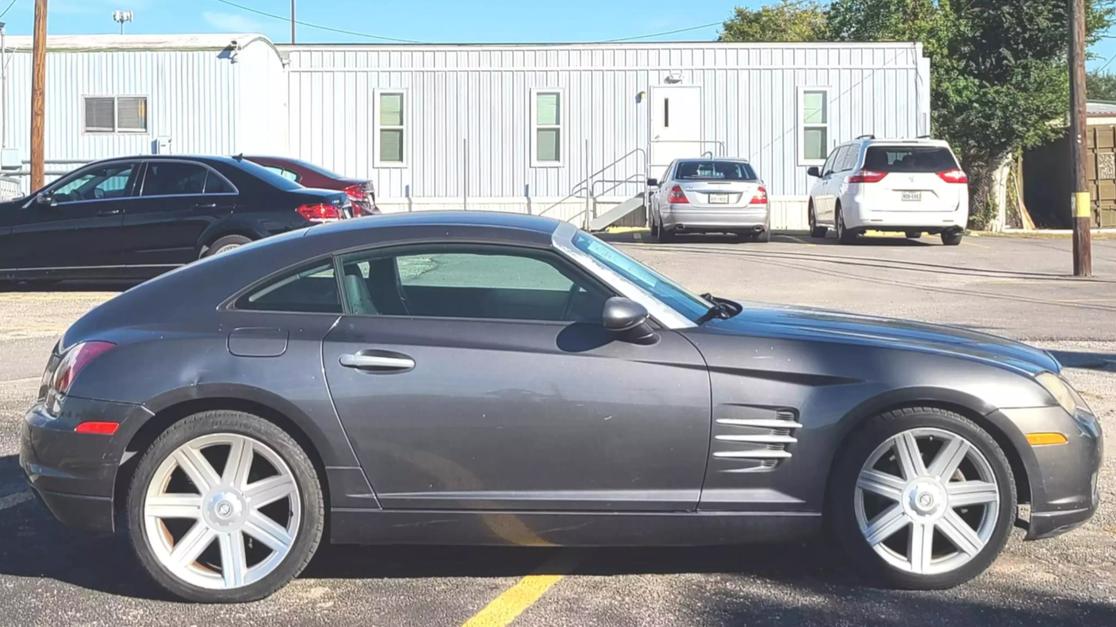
{"x": 760, "y": 197}
{"x": 678, "y": 197}
{"x": 954, "y": 176}
{"x": 74, "y": 361}
{"x": 867, "y": 176}
{"x": 319, "y": 212}
{"x": 355, "y": 192}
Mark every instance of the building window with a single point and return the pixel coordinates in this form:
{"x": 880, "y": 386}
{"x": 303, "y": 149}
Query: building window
{"x": 390, "y": 128}
{"x": 546, "y": 116}
{"x": 813, "y": 124}
{"x": 115, "y": 114}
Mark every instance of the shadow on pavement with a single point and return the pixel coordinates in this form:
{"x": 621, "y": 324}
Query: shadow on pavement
{"x": 1088, "y": 361}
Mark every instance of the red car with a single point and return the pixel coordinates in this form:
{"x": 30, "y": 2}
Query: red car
{"x": 360, "y": 192}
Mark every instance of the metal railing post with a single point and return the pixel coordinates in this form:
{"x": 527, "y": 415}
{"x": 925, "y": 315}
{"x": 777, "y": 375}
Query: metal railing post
{"x": 465, "y": 174}
{"x": 588, "y": 185}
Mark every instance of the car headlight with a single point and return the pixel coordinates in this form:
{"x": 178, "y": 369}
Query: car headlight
{"x": 1062, "y": 391}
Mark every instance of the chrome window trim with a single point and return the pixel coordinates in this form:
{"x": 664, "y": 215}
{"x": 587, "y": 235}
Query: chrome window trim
{"x": 562, "y": 240}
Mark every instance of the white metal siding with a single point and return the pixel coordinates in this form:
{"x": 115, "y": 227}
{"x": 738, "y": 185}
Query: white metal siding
{"x": 468, "y": 109}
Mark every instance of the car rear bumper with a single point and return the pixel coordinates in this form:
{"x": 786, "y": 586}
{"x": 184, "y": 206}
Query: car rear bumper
{"x": 1062, "y": 478}
{"x": 74, "y": 474}
{"x": 865, "y": 213}
{"x": 698, "y": 217}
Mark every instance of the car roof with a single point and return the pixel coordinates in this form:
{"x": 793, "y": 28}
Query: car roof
{"x": 209, "y": 159}
{"x": 490, "y": 219}
{"x": 727, "y": 159}
{"x": 883, "y": 141}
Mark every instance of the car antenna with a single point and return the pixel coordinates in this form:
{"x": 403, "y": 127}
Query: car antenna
{"x": 239, "y": 157}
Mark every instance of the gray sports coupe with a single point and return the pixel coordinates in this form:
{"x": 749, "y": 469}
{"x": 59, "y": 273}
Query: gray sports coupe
{"x": 480, "y": 378}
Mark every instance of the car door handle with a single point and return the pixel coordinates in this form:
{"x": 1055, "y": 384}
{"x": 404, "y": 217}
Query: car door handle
{"x": 108, "y": 212}
{"x": 205, "y": 205}
{"x": 382, "y": 361}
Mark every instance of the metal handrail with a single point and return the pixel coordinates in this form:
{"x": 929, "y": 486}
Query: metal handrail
{"x": 702, "y": 142}
{"x": 616, "y": 183}
{"x": 585, "y": 185}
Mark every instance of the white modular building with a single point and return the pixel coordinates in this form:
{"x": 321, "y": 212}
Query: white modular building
{"x": 568, "y": 130}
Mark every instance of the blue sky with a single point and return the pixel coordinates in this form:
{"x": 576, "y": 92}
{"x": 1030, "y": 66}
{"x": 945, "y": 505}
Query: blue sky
{"x": 418, "y": 20}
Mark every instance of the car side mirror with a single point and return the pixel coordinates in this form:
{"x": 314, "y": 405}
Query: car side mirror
{"x": 628, "y": 320}
{"x": 45, "y": 200}
{"x": 813, "y": 171}
{"x": 652, "y": 182}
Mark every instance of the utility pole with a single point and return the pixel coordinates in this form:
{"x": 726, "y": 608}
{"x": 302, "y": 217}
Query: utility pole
{"x": 1082, "y": 203}
{"x": 38, "y": 93}
{"x": 292, "y": 22}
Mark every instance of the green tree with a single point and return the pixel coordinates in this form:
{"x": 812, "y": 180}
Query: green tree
{"x": 999, "y": 73}
{"x": 790, "y": 20}
{"x": 1101, "y": 86}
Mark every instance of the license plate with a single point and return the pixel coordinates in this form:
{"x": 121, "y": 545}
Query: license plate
{"x": 912, "y": 196}
{"x": 718, "y": 199}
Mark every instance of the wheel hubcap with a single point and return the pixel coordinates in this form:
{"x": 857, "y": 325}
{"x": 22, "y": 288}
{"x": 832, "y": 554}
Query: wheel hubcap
{"x": 222, "y": 511}
{"x": 927, "y": 501}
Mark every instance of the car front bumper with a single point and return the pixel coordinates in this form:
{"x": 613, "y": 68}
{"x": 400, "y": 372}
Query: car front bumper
{"x": 714, "y": 217}
{"x": 1062, "y": 478}
{"x": 74, "y": 474}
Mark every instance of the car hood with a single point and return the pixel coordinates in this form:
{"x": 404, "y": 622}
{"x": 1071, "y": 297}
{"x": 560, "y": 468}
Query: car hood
{"x": 830, "y": 326}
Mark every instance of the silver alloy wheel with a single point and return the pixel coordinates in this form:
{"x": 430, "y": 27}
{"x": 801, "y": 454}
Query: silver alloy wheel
{"x": 226, "y": 508}
{"x": 226, "y": 248}
{"x": 955, "y": 498}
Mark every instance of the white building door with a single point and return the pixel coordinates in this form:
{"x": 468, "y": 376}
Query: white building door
{"x": 675, "y": 125}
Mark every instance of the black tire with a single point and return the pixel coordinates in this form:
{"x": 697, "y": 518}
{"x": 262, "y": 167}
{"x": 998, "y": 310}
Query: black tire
{"x": 659, "y": 234}
{"x": 225, "y": 244}
{"x": 841, "y": 518}
{"x": 817, "y": 232}
{"x": 952, "y": 238}
{"x": 310, "y": 493}
{"x": 913, "y": 234}
{"x": 844, "y": 235}
{"x": 763, "y": 236}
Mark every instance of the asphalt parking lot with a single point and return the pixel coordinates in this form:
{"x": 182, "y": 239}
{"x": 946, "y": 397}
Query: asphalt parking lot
{"x": 1008, "y": 286}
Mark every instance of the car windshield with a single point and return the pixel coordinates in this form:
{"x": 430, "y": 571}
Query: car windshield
{"x": 267, "y": 176}
{"x": 909, "y": 159}
{"x": 714, "y": 171}
{"x": 662, "y": 288}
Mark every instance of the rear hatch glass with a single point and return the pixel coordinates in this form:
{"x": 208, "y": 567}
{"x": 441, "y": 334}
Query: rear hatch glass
{"x": 909, "y": 159}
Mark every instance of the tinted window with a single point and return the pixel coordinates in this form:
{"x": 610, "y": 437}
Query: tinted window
{"x": 471, "y": 282}
{"x": 107, "y": 181}
{"x": 715, "y": 171}
{"x": 174, "y": 177}
{"x": 216, "y": 184}
{"x": 311, "y": 290}
{"x": 909, "y": 159}
{"x": 266, "y": 175}
{"x": 283, "y": 172}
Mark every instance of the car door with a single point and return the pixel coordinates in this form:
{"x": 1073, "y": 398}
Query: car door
{"x": 661, "y": 194}
{"x": 473, "y": 377}
{"x": 73, "y": 226}
{"x": 178, "y": 201}
{"x": 828, "y": 194}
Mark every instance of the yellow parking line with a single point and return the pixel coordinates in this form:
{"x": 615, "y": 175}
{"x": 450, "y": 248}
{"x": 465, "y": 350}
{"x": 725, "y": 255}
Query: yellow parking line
{"x": 515, "y": 600}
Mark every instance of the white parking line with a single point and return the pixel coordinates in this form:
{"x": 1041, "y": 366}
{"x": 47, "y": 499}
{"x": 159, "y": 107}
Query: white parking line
{"x": 12, "y": 500}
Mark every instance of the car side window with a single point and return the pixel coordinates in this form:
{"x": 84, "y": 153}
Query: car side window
{"x": 838, "y": 158}
{"x": 217, "y": 184}
{"x": 828, "y": 166}
{"x": 489, "y": 282}
{"x": 308, "y": 290}
{"x": 174, "y": 178}
{"x": 848, "y": 160}
{"x": 107, "y": 181}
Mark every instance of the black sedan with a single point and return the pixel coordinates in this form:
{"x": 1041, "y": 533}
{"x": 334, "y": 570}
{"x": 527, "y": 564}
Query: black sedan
{"x": 137, "y": 217}
{"x": 477, "y": 378}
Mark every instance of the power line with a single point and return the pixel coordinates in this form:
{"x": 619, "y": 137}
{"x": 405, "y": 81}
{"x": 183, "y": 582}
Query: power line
{"x": 669, "y": 32}
{"x": 317, "y": 26}
{"x": 8, "y": 8}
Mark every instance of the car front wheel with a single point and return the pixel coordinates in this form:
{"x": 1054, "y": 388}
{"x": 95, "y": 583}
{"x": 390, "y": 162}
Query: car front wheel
{"x": 224, "y": 507}
{"x": 922, "y": 498}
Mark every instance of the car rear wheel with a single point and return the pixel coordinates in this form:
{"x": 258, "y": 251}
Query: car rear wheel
{"x": 225, "y": 244}
{"x": 922, "y": 498}
{"x": 658, "y": 233}
{"x": 952, "y": 238}
{"x": 224, "y": 507}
